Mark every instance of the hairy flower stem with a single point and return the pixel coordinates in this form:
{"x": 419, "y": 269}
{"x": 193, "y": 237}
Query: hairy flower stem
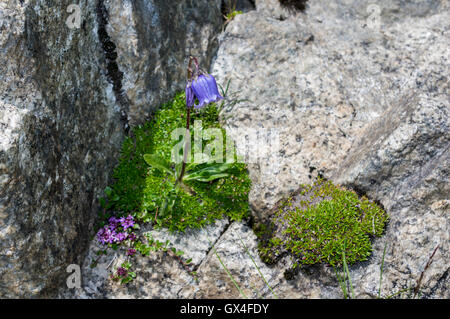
{"x": 187, "y": 145}
{"x": 187, "y": 142}
{"x": 190, "y": 73}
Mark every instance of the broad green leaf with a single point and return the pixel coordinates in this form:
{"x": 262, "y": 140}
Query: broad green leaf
{"x": 158, "y": 162}
{"x": 102, "y": 202}
{"x": 207, "y": 172}
{"x": 178, "y": 168}
{"x": 168, "y": 204}
{"x": 209, "y": 178}
{"x": 108, "y": 191}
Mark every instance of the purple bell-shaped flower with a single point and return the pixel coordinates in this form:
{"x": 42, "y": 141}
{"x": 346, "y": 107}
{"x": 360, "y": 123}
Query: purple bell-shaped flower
{"x": 204, "y": 88}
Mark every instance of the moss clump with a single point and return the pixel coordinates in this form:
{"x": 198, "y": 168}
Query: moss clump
{"x": 140, "y": 190}
{"x": 322, "y": 221}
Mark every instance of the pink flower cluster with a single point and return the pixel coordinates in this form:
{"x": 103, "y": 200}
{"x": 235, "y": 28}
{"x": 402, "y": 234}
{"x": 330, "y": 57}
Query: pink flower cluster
{"x": 116, "y": 231}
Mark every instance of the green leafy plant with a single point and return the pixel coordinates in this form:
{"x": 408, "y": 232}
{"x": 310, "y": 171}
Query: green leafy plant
{"x": 231, "y": 12}
{"x": 141, "y": 190}
{"x": 209, "y": 173}
{"x": 321, "y": 222}
{"x": 124, "y": 273}
{"x": 203, "y": 88}
{"x": 148, "y": 184}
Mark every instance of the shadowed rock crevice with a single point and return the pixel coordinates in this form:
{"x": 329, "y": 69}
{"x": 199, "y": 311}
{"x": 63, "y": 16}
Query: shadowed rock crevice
{"x": 62, "y": 141}
{"x": 115, "y": 76}
{"x": 154, "y": 39}
{"x": 294, "y": 4}
{"x": 239, "y": 5}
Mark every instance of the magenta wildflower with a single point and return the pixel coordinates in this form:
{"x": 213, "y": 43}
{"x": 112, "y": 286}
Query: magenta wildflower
{"x": 132, "y": 237}
{"x": 127, "y": 222}
{"x": 121, "y": 237}
{"x": 122, "y": 271}
{"x": 106, "y": 236}
{"x": 113, "y": 222}
{"x": 116, "y": 230}
{"x": 131, "y": 252}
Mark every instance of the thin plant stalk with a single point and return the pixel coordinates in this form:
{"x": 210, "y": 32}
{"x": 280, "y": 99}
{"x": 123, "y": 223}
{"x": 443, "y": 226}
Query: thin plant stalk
{"x": 419, "y": 282}
{"x": 381, "y": 270}
{"x": 348, "y": 275}
{"x": 187, "y": 141}
{"x": 229, "y": 274}
{"x": 187, "y": 145}
{"x": 257, "y": 268}
{"x": 399, "y": 292}
{"x": 341, "y": 283}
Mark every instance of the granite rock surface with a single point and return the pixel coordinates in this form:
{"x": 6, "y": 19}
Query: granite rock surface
{"x": 73, "y": 78}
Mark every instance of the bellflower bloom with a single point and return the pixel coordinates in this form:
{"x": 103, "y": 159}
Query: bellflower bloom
{"x": 205, "y": 90}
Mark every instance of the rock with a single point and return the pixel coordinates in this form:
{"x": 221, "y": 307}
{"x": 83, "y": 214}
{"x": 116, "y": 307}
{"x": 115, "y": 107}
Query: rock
{"x": 159, "y": 275}
{"x": 237, "y": 250}
{"x": 358, "y": 94}
{"x": 69, "y": 89}
{"x": 402, "y": 160}
{"x": 60, "y": 140}
{"x": 154, "y": 41}
{"x": 354, "y": 91}
{"x": 358, "y": 98}
{"x": 273, "y": 9}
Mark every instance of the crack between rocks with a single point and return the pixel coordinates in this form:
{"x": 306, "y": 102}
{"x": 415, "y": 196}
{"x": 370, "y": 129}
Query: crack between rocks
{"x": 213, "y": 244}
{"x": 204, "y": 259}
{"x": 113, "y": 73}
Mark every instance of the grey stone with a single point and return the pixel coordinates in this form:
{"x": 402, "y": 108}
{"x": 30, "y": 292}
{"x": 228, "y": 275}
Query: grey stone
{"x": 154, "y": 40}
{"x": 159, "y": 275}
{"x": 237, "y": 250}
{"x": 358, "y": 98}
{"x": 68, "y": 94}
{"x": 356, "y": 91}
{"x": 61, "y": 134}
{"x": 358, "y": 94}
